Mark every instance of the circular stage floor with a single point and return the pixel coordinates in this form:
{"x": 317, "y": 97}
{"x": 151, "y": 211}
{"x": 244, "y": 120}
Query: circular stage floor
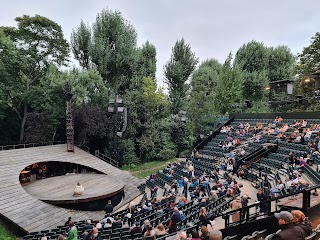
{"x": 59, "y": 190}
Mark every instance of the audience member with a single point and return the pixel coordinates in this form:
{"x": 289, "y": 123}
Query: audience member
{"x": 73, "y": 232}
{"x": 136, "y": 229}
{"x": 109, "y": 207}
{"x": 215, "y": 235}
{"x": 289, "y": 230}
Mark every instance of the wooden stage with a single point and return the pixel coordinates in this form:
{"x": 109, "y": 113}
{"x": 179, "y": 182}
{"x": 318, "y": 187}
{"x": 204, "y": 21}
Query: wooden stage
{"x": 57, "y": 190}
{"x": 32, "y": 214}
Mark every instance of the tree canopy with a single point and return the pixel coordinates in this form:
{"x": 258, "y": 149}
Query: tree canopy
{"x": 159, "y": 123}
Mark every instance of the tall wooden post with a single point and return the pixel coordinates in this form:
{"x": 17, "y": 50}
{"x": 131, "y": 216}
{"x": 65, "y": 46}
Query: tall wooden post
{"x": 69, "y": 118}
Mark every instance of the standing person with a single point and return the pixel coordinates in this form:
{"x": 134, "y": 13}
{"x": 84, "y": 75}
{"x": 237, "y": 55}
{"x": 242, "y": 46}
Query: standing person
{"x": 180, "y": 184}
{"x": 191, "y": 171}
{"x": 73, "y": 232}
{"x": 109, "y": 207}
{"x": 175, "y": 218}
{"x": 236, "y": 204}
{"x": 244, "y": 202}
{"x": 185, "y": 187}
{"x": 261, "y": 197}
{"x": 130, "y": 214}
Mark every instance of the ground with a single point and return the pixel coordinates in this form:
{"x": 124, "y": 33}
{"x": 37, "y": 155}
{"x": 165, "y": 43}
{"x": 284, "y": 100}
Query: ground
{"x": 5, "y": 234}
{"x": 146, "y": 169}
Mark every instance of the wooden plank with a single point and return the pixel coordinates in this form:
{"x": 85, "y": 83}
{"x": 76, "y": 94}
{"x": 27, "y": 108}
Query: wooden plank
{"x": 33, "y": 214}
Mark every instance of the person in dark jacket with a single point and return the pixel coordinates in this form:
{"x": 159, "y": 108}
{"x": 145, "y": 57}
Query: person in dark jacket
{"x": 290, "y": 231}
{"x": 175, "y": 218}
{"x": 109, "y": 207}
{"x": 136, "y": 229}
{"x": 261, "y": 197}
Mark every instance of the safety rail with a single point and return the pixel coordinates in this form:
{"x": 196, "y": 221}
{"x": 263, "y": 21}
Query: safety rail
{"x": 97, "y": 153}
{"x": 214, "y": 134}
{"x": 306, "y": 204}
{"x": 29, "y": 145}
{"x": 105, "y": 158}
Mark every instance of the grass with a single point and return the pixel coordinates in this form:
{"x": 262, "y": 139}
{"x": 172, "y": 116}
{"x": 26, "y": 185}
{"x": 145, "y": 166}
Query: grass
{"x": 146, "y": 169}
{"x": 5, "y": 234}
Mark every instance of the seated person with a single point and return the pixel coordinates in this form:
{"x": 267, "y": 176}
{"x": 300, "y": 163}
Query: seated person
{"x": 277, "y": 189}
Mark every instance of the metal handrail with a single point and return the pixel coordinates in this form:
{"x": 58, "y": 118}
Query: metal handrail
{"x": 78, "y": 144}
{"x": 28, "y": 145}
{"x": 305, "y": 205}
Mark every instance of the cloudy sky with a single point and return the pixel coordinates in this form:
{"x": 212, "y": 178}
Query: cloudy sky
{"x": 213, "y": 28}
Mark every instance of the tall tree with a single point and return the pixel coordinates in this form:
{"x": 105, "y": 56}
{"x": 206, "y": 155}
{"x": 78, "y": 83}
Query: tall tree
{"x": 229, "y": 87}
{"x": 40, "y": 42}
{"x": 113, "y": 48}
{"x": 281, "y": 63}
{"x": 177, "y": 71}
{"x": 81, "y": 45}
{"x": 308, "y": 63}
{"x": 310, "y": 56}
{"x": 253, "y": 59}
{"x": 203, "y": 83}
{"x": 145, "y": 65}
{"x": 252, "y": 56}
{"x": 147, "y": 61}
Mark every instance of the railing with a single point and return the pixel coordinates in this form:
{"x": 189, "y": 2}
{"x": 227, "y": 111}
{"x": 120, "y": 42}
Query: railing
{"x": 256, "y": 155}
{"x": 78, "y": 144}
{"x": 215, "y": 133}
{"x": 29, "y": 145}
{"x": 306, "y": 200}
{"x": 105, "y": 158}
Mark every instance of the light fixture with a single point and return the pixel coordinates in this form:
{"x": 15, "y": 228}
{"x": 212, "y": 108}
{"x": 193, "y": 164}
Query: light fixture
{"x": 307, "y": 80}
{"x": 267, "y": 88}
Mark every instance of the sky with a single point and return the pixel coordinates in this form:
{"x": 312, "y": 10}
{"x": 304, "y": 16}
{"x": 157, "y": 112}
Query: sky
{"x": 212, "y": 28}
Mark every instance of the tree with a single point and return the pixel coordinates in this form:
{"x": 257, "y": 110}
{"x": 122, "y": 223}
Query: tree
{"x": 147, "y": 61}
{"x": 309, "y": 59}
{"x": 81, "y": 45}
{"x": 252, "y": 56}
{"x": 177, "y": 71}
{"x": 87, "y": 87}
{"x": 229, "y": 89}
{"x": 203, "y": 84}
{"x": 113, "y": 49}
{"x": 308, "y": 63}
{"x": 254, "y": 84}
{"x": 10, "y": 61}
{"x": 39, "y": 42}
{"x": 281, "y": 63}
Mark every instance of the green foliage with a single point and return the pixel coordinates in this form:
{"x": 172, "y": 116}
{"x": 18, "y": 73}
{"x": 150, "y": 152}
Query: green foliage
{"x": 254, "y": 85}
{"x": 203, "y": 83}
{"x": 81, "y": 45}
{"x": 146, "y": 63}
{"x": 39, "y": 43}
{"x": 113, "y": 49}
{"x": 281, "y": 63}
{"x": 308, "y": 63}
{"x": 229, "y": 89}
{"x": 5, "y": 234}
{"x": 177, "y": 71}
{"x": 252, "y": 56}
{"x": 309, "y": 59}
